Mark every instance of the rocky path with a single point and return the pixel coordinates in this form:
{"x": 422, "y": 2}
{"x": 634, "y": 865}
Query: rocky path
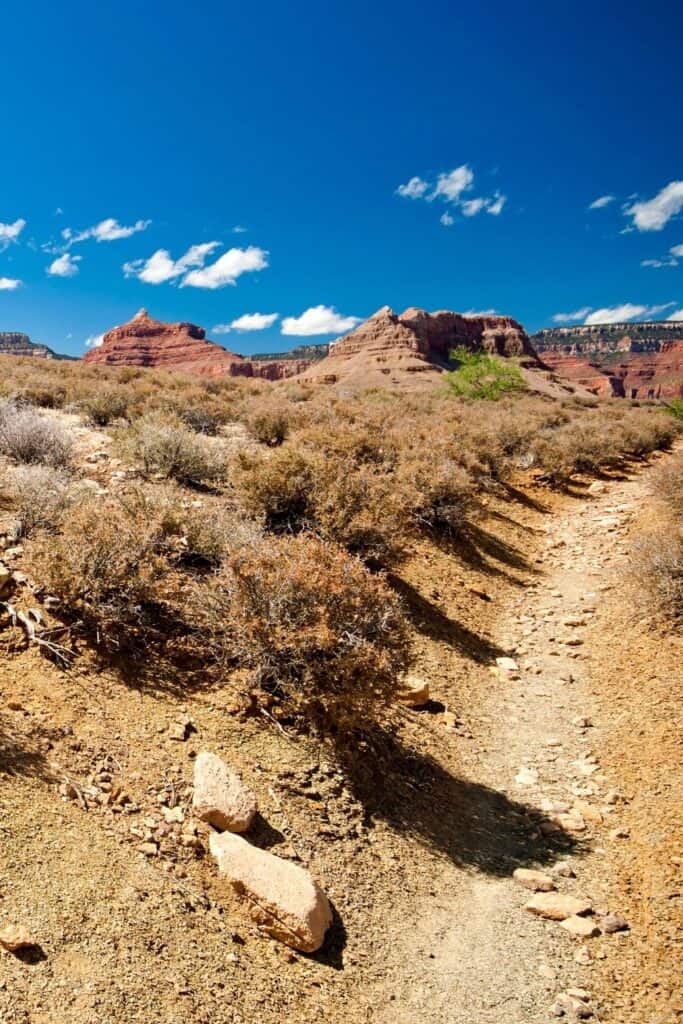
{"x": 480, "y": 957}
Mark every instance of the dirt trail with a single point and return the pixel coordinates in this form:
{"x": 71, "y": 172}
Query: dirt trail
{"x": 479, "y": 957}
{"x": 417, "y": 852}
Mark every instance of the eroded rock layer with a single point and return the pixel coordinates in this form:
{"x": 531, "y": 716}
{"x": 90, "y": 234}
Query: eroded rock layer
{"x": 642, "y": 360}
{"x": 14, "y": 343}
{"x": 144, "y": 341}
{"x": 399, "y": 347}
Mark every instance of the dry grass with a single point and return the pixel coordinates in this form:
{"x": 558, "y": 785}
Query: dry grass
{"x": 29, "y": 436}
{"x": 162, "y": 446}
{"x": 658, "y": 552}
{"x": 277, "y": 570}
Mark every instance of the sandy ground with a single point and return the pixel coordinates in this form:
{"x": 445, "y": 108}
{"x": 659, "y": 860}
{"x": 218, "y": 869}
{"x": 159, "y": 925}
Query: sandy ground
{"x": 416, "y": 846}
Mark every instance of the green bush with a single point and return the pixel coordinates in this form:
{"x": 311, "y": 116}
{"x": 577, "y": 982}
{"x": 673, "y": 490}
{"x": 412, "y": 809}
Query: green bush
{"x": 481, "y": 376}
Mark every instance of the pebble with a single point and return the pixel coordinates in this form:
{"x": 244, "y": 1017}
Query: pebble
{"x": 534, "y": 880}
{"x": 564, "y": 869}
{"x": 582, "y": 927}
{"x": 526, "y": 777}
{"x": 613, "y": 923}
{"x": 557, "y": 906}
{"x": 15, "y": 937}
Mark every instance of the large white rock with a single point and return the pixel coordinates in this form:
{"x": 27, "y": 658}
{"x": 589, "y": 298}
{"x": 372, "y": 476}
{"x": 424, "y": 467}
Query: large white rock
{"x": 283, "y": 897}
{"x": 220, "y": 797}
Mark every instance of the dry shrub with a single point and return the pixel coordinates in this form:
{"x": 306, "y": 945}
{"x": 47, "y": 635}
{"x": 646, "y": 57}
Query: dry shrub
{"x": 202, "y": 421}
{"x": 32, "y": 437}
{"x": 659, "y": 561}
{"x": 104, "y": 406}
{"x": 37, "y": 495}
{"x": 667, "y": 484}
{"x": 271, "y": 425}
{"x": 314, "y": 625}
{"x": 163, "y": 446}
{"x": 440, "y": 491}
{"x": 276, "y": 488}
{"x": 108, "y": 568}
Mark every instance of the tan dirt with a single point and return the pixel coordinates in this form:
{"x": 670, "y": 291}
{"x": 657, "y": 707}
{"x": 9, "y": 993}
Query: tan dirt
{"x": 416, "y": 849}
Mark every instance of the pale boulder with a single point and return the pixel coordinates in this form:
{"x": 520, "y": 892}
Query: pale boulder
{"x": 581, "y": 927}
{"x": 557, "y": 906}
{"x": 284, "y": 899}
{"x": 534, "y": 880}
{"x": 15, "y": 937}
{"x": 220, "y": 797}
{"x": 414, "y": 692}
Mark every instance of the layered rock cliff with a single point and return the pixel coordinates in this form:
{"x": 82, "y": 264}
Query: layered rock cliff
{"x": 642, "y": 360}
{"x": 13, "y": 343}
{"x": 392, "y": 348}
{"x": 144, "y": 341}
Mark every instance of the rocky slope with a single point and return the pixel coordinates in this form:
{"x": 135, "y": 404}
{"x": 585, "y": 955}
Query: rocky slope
{"x": 14, "y": 343}
{"x": 643, "y": 360}
{"x": 144, "y": 341}
{"x": 392, "y": 348}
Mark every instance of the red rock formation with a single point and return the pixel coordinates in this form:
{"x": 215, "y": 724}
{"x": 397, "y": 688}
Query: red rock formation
{"x": 181, "y": 346}
{"x": 651, "y": 374}
{"x": 389, "y": 348}
{"x": 585, "y": 374}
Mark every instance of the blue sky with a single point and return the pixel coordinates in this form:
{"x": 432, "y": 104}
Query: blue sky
{"x": 299, "y": 123}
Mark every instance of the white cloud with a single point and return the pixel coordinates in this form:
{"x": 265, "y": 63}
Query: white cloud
{"x": 9, "y": 284}
{"x": 414, "y": 189}
{"x": 471, "y": 207}
{"x": 481, "y": 312}
{"x": 108, "y": 230}
{"x": 568, "y": 318}
{"x": 450, "y": 186}
{"x": 675, "y": 253}
{"x": 249, "y": 322}
{"x": 64, "y": 266}
{"x": 227, "y": 268}
{"x": 653, "y": 214}
{"x": 10, "y": 233}
{"x": 627, "y": 311}
{"x": 496, "y": 206}
{"x": 239, "y": 230}
{"x": 94, "y": 341}
{"x": 601, "y": 202}
{"x": 677, "y": 315}
{"x": 319, "y": 320}
{"x": 160, "y": 267}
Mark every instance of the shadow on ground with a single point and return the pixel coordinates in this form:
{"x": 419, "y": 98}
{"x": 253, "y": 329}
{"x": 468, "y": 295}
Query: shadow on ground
{"x": 475, "y": 826}
{"x": 434, "y": 623}
{"x": 18, "y": 755}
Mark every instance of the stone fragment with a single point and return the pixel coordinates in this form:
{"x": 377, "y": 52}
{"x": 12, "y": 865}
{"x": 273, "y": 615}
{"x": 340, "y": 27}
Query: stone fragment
{"x": 564, "y": 869}
{"x": 581, "y": 927}
{"x": 571, "y": 822}
{"x": 284, "y": 899}
{"x": 534, "y": 880}
{"x": 583, "y": 956}
{"x": 526, "y": 777}
{"x": 149, "y": 849}
{"x": 507, "y": 664}
{"x": 220, "y": 797}
{"x": 414, "y": 693}
{"x": 588, "y": 812}
{"x": 15, "y": 937}
{"x": 619, "y": 833}
{"x": 613, "y": 923}
{"x": 557, "y": 906}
